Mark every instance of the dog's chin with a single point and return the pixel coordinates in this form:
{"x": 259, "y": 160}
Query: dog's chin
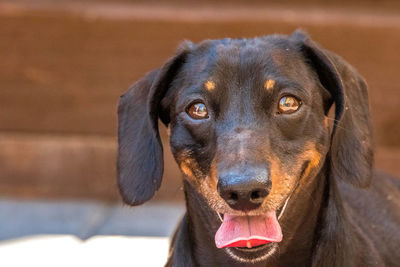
{"x": 252, "y": 255}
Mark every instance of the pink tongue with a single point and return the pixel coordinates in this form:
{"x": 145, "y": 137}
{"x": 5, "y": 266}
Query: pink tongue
{"x": 248, "y": 231}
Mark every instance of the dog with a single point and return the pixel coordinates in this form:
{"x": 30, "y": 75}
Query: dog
{"x": 273, "y": 136}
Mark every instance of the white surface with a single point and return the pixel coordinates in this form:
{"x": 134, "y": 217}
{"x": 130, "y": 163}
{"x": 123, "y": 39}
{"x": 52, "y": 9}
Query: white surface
{"x": 66, "y": 250}
{"x": 84, "y": 219}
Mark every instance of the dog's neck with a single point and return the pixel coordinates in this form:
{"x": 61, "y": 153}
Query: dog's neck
{"x": 303, "y": 240}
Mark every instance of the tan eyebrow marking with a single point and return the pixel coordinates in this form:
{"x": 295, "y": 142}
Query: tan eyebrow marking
{"x": 269, "y": 84}
{"x": 210, "y": 85}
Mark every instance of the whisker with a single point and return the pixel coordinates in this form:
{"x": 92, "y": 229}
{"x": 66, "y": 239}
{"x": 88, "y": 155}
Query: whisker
{"x": 337, "y": 124}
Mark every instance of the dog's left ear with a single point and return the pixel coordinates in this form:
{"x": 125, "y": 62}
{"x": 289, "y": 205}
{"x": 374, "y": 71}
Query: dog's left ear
{"x": 140, "y": 153}
{"x": 351, "y": 152}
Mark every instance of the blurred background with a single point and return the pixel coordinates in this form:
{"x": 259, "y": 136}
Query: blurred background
{"x": 63, "y": 66}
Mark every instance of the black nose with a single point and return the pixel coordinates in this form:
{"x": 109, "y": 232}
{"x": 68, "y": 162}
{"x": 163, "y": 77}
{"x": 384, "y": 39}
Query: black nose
{"x": 244, "y": 190}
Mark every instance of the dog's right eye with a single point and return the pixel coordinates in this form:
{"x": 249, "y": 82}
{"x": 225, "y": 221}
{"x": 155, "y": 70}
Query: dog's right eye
{"x": 197, "y": 111}
{"x": 288, "y": 104}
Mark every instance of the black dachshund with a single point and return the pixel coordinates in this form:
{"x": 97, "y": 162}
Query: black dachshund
{"x": 268, "y": 179}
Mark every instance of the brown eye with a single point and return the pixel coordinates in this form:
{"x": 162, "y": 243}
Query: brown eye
{"x": 288, "y": 105}
{"x": 197, "y": 111}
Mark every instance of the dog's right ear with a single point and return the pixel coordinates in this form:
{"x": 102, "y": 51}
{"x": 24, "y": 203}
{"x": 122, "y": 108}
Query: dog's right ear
{"x": 351, "y": 154}
{"x": 140, "y": 152}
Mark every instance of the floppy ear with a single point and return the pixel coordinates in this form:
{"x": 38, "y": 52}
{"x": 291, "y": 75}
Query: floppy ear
{"x": 351, "y": 152}
{"x": 140, "y": 153}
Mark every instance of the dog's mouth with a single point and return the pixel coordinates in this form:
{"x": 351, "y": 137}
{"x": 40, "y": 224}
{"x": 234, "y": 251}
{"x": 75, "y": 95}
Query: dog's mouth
{"x": 248, "y": 232}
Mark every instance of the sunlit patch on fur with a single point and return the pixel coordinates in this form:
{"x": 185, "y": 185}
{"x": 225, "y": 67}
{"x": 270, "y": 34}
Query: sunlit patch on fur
{"x": 279, "y": 57}
{"x": 240, "y": 141}
{"x": 269, "y": 84}
{"x": 210, "y": 85}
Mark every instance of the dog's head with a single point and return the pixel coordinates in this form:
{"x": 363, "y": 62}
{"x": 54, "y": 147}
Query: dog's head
{"x": 248, "y": 122}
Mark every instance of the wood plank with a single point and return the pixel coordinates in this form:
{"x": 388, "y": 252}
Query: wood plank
{"x": 63, "y": 72}
{"x": 69, "y": 166}
{"x": 33, "y": 165}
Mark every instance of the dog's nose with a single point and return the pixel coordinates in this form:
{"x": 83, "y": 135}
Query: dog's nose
{"x": 244, "y": 191}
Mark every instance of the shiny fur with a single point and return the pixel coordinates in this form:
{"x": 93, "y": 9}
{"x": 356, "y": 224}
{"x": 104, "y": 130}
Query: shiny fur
{"x": 335, "y": 215}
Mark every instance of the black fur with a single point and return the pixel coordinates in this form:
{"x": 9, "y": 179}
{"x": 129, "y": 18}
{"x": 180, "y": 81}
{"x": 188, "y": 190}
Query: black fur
{"x": 352, "y": 142}
{"x": 140, "y": 153}
{"x": 340, "y": 212}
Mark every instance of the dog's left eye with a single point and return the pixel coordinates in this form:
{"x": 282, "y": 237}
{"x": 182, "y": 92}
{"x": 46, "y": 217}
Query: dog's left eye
{"x": 197, "y": 111}
{"x": 288, "y": 104}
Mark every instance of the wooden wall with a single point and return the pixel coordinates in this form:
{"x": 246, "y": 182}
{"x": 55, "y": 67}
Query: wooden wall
{"x": 64, "y": 64}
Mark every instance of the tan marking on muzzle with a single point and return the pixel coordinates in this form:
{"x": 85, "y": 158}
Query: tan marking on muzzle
{"x": 269, "y": 84}
{"x": 169, "y": 131}
{"x": 311, "y": 154}
{"x": 282, "y": 184}
{"x": 326, "y": 122}
{"x": 186, "y": 170}
{"x": 285, "y": 179}
{"x": 189, "y": 166}
{"x": 208, "y": 188}
{"x": 213, "y": 176}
